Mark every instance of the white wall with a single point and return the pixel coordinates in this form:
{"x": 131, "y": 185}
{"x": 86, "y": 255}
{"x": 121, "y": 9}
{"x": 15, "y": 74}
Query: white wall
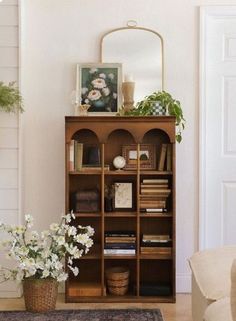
{"x": 9, "y": 127}
{"x": 56, "y": 35}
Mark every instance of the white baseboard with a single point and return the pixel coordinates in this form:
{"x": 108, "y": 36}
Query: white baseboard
{"x": 10, "y": 289}
{"x": 183, "y": 283}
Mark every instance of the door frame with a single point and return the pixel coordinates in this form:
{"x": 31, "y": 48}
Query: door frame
{"x": 206, "y": 13}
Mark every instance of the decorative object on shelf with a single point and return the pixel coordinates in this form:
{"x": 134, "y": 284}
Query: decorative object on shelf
{"x": 173, "y": 108}
{"x": 119, "y": 162}
{"x": 123, "y": 198}
{"x": 92, "y": 155}
{"x": 83, "y": 110}
{"x": 117, "y": 280}
{"x": 85, "y": 201}
{"x": 147, "y": 156}
{"x": 10, "y": 98}
{"x": 128, "y": 92}
{"x": 38, "y": 258}
{"x": 109, "y": 193}
{"x": 99, "y": 85}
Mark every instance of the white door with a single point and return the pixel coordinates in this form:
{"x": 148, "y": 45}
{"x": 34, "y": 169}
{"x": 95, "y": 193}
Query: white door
{"x": 218, "y": 126}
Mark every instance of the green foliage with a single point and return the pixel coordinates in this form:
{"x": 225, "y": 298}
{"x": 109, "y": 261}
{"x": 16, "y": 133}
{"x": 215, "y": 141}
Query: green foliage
{"x": 10, "y": 98}
{"x": 173, "y": 107}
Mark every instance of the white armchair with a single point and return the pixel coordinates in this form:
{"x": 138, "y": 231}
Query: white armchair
{"x": 211, "y": 284}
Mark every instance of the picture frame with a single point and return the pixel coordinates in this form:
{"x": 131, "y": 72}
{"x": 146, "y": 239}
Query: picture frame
{"x": 147, "y": 156}
{"x": 99, "y": 85}
{"x": 123, "y": 196}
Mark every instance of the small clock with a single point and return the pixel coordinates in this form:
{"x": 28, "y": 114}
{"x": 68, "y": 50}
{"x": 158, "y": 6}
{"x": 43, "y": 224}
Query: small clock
{"x": 119, "y": 162}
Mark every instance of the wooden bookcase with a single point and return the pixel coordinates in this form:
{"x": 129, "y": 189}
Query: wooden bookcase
{"x": 110, "y": 134}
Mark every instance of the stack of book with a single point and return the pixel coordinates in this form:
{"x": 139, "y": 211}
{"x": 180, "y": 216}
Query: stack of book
{"x": 153, "y": 195}
{"x": 156, "y": 244}
{"x": 120, "y": 243}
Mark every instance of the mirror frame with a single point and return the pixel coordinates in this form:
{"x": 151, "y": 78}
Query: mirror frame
{"x": 132, "y": 24}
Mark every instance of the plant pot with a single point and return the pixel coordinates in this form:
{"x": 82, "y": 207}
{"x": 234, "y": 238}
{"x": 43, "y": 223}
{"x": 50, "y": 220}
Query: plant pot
{"x": 40, "y": 294}
{"x": 157, "y": 109}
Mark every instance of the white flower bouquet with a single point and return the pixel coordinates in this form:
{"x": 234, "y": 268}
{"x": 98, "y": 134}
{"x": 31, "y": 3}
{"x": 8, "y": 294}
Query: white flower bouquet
{"x": 40, "y": 256}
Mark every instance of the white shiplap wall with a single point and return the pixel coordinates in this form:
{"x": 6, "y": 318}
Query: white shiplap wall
{"x": 9, "y": 128}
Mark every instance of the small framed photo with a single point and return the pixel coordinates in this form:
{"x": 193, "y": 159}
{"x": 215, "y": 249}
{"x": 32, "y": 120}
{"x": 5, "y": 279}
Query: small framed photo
{"x": 123, "y": 196}
{"x": 147, "y": 156}
{"x": 99, "y": 85}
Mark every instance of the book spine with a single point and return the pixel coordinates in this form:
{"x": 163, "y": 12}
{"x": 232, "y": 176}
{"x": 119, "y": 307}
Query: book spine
{"x": 156, "y": 244}
{"x": 154, "y": 186}
{"x": 72, "y": 155}
{"x": 153, "y": 210}
{"x": 78, "y": 156}
{"x": 162, "y": 157}
{"x": 156, "y": 250}
{"x": 120, "y": 246}
{"x": 156, "y": 191}
{"x": 155, "y": 181}
{"x": 119, "y": 251}
{"x": 120, "y": 239}
{"x": 119, "y": 234}
{"x": 169, "y": 158}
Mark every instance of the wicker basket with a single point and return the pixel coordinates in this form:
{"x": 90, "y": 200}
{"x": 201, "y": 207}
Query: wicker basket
{"x": 40, "y": 294}
{"x": 117, "y": 280}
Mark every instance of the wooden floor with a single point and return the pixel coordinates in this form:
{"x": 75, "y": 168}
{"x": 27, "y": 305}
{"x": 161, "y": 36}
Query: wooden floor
{"x": 180, "y": 311}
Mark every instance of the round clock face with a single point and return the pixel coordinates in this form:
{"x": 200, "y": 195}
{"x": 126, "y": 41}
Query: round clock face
{"x": 119, "y": 162}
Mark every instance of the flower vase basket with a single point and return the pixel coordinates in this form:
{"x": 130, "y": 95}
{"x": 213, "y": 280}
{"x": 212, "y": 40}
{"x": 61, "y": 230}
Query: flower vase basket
{"x": 40, "y": 294}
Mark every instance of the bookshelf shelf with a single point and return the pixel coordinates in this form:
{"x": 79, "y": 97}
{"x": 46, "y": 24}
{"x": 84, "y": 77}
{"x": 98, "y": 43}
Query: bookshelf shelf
{"x": 121, "y": 224}
{"x": 120, "y": 173}
{"x": 86, "y": 172}
{"x": 121, "y": 214}
{"x": 87, "y": 215}
{"x": 151, "y": 173}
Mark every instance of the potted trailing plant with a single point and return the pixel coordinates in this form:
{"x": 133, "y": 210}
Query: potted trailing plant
{"x": 39, "y": 257}
{"x": 10, "y": 98}
{"x": 163, "y": 100}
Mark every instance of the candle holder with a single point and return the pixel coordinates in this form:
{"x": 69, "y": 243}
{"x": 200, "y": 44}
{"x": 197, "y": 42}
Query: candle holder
{"x": 82, "y": 110}
{"x": 128, "y": 94}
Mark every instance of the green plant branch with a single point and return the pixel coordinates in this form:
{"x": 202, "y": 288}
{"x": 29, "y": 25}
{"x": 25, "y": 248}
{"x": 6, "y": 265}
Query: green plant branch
{"x": 10, "y": 98}
{"x": 164, "y": 99}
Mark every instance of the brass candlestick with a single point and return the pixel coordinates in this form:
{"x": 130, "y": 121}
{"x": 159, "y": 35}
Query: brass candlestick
{"x": 128, "y": 94}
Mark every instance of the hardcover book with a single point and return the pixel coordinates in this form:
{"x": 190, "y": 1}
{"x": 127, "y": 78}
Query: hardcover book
{"x": 162, "y": 157}
{"x": 120, "y": 251}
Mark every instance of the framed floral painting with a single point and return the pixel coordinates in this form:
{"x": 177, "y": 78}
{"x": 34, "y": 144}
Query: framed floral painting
{"x": 99, "y": 85}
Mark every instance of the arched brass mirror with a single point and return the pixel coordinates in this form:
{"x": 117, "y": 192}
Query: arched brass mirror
{"x": 140, "y": 50}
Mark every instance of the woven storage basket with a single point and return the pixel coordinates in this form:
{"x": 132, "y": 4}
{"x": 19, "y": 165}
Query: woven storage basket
{"x": 40, "y": 294}
{"x": 117, "y": 280}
